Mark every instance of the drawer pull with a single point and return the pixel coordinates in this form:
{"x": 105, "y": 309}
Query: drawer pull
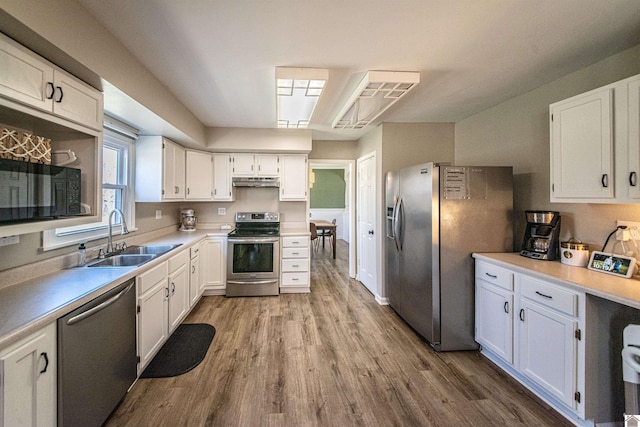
{"x": 506, "y": 307}
{"x": 522, "y": 314}
{"x": 295, "y": 265}
{"x": 543, "y": 295}
{"x": 295, "y": 242}
{"x": 295, "y": 279}
{"x": 295, "y": 253}
{"x": 493, "y": 276}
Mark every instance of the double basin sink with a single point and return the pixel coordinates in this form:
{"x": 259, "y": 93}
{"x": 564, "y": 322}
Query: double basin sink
{"x": 133, "y": 256}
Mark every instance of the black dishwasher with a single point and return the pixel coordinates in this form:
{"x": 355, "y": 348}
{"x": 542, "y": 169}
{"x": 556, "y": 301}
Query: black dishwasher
{"x": 96, "y": 357}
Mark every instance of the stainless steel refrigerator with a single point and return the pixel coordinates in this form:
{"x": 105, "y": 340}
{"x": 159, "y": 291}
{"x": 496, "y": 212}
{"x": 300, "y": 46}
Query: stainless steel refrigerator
{"x": 436, "y": 217}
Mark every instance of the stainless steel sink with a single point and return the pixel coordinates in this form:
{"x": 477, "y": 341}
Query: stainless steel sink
{"x": 124, "y": 260}
{"x": 149, "y": 249}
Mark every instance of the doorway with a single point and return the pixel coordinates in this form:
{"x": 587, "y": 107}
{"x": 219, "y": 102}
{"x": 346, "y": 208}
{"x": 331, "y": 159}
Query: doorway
{"x": 345, "y": 216}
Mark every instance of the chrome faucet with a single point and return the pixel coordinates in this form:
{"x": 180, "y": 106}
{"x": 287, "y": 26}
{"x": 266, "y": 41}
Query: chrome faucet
{"x": 125, "y": 230}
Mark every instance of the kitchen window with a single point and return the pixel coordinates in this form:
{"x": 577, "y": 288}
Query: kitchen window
{"x": 117, "y": 189}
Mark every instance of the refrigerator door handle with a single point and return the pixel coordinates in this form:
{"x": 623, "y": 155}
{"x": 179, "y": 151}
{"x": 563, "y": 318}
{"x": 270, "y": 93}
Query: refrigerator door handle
{"x": 397, "y": 225}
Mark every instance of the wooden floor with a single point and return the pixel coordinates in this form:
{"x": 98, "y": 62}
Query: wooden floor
{"x": 330, "y": 358}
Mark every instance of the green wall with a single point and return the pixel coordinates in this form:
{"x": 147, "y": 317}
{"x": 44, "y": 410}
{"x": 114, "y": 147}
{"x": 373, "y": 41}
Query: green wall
{"x": 328, "y": 190}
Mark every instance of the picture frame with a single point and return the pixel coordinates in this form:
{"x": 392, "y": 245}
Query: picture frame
{"x": 614, "y": 264}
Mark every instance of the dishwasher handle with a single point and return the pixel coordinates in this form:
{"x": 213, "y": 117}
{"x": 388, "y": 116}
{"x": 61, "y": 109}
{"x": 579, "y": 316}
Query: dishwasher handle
{"x": 80, "y": 317}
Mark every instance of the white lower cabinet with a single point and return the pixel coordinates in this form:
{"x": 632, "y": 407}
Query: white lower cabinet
{"x": 28, "y": 380}
{"x": 195, "y": 280}
{"x": 163, "y": 302}
{"x": 213, "y": 261}
{"x": 534, "y": 331}
{"x": 295, "y": 276}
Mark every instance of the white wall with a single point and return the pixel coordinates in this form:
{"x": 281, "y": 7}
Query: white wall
{"x": 259, "y": 140}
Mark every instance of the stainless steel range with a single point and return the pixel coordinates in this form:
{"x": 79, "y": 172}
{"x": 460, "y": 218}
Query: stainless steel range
{"x": 253, "y": 255}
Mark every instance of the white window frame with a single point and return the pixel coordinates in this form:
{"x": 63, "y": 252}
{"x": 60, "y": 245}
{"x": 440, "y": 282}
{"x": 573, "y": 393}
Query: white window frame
{"x": 121, "y": 137}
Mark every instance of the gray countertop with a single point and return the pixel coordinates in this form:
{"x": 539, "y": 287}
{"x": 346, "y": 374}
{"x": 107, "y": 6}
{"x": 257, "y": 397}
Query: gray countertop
{"x": 28, "y": 306}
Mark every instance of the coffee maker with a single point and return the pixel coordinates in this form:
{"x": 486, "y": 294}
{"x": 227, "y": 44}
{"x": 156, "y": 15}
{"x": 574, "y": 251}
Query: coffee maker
{"x": 187, "y": 220}
{"x": 542, "y": 235}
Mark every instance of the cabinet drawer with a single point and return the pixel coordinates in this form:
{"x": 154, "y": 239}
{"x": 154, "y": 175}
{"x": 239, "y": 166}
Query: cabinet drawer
{"x": 295, "y": 279}
{"x": 295, "y": 253}
{"x": 177, "y": 261}
{"x": 149, "y": 279}
{"x": 496, "y": 275}
{"x": 295, "y": 242}
{"x": 295, "y": 265}
{"x": 195, "y": 251}
{"x": 550, "y": 295}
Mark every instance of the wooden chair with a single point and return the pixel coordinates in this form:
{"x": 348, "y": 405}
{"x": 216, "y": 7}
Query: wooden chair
{"x": 314, "y": 235}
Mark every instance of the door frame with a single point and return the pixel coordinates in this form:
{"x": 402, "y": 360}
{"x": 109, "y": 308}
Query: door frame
{"x": 350, "y": 167}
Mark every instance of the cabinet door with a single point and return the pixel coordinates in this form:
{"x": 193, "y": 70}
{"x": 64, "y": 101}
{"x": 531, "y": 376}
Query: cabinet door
{"x": 293, "y": 177}
{"x": 173, "y": 171}
{"x": 199, "y": 176}
{"x": 222, "y": 189}
{"x": 213, "y": 264}
{"x": 29, "y": 381}
{"x": 494, "y": 319}
{"x": 194, "y": 281}
{"x": 548, "y": 350}
{"x": 178, "y": 296}
{"x": 268, "y": 164}
{"x": 25, "y": 77}
{"x": 633, "y": 92}
{"x": 152, "y": 321}
{"x": 77, "y": 101}
{"x": 582, "y": 148}
{"x": 243, "y": 165}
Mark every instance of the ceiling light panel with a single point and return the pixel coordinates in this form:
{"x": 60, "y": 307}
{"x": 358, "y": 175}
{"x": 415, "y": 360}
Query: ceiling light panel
{"x": 377, "y": 91}
{"x": 298, "y": 91}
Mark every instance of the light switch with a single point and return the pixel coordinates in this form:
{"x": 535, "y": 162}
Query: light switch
{"x": 158, "y": 214}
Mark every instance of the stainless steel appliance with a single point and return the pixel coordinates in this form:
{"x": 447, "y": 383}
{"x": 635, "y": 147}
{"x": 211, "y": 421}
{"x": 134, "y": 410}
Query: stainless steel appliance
{"x": 436, "y": 216}
{"x": 96, "y": 357}
{"x": 188, "y": 220}
{"x": 253, "y": 255}
{"x": 541, "y": 237}
{"x": 32, "y": 191}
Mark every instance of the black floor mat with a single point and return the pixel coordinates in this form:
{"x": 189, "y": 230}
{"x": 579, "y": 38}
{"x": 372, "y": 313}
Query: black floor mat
{"x": 183, "y": 351}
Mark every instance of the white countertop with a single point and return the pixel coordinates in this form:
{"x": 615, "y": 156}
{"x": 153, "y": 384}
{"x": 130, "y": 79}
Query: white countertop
{"x": 27, "y": 306}
{"x": 617, "y": 289}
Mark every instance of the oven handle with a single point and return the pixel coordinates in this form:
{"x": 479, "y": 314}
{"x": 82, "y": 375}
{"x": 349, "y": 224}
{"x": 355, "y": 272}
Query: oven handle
{"x": 253, "y": 240}
{"x": 253, "y": 282}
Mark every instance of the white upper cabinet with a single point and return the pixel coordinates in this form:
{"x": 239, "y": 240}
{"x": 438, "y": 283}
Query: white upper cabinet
{"x": 31, "y": 80}
{"x": 199, "y": 175}
{"x": 293, "y": 177}
{"x": 595, "y": 155}
{"x": 250, "y": 165}
{"x": 633, "y": 126}
{"x": 222, "y": 188}
{"x": 582, "y": 148}
{"x": 160, "y": 170}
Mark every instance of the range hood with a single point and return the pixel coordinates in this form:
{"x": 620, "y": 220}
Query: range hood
{"x": 261, "y": 182}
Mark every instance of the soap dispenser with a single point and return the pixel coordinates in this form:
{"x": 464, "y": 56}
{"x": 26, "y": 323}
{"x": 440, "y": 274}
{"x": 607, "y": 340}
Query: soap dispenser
{"x": 82, "y": 254}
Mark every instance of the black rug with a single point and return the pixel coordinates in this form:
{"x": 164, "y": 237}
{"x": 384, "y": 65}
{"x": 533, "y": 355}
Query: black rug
{"x": 183, "y": 351}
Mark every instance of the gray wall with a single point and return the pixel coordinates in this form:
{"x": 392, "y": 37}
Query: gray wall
{"x": 516, "y": 133}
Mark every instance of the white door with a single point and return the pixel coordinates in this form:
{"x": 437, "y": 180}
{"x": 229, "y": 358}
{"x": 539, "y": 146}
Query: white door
{"x": 633, "y": 180}
{"x": 494, "y": 319}
{"x": 199, "y": 175}
{"x": 366, "y": 222}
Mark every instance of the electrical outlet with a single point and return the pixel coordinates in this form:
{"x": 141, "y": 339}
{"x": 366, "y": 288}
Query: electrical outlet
{"x": 632, "y": 227}
{"x": 9, "y": 240}
{"x": 158, "y": 214}
{"x": 222, "y": 211}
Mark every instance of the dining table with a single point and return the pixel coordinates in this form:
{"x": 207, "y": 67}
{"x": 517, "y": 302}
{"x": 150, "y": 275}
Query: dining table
{"x": 324, "y": 225}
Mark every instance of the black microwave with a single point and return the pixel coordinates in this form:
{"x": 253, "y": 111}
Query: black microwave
{"x": 34, "y": 192}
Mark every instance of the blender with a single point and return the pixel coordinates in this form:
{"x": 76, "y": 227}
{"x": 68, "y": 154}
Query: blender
{"x": 541, "y": 235}
{"x": 187, "y": 220}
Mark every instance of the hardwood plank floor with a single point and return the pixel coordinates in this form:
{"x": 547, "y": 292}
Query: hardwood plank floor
{"x": 330, "y": 358}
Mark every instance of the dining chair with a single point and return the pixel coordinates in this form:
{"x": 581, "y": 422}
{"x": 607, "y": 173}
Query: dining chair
{"x": 314, "y": 235}
{"x": 329, "y": 233}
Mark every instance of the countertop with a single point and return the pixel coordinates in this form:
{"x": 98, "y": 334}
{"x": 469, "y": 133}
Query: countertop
{"x": 27, "y": 306}
{"x": 617, "y": 289}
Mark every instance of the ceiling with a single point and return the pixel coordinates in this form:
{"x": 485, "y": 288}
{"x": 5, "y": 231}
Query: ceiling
{"x": 219, "y": 56}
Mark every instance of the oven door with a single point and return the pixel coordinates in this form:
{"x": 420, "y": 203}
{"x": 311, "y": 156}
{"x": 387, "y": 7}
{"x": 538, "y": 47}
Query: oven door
{"x": 253, "y": 266}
